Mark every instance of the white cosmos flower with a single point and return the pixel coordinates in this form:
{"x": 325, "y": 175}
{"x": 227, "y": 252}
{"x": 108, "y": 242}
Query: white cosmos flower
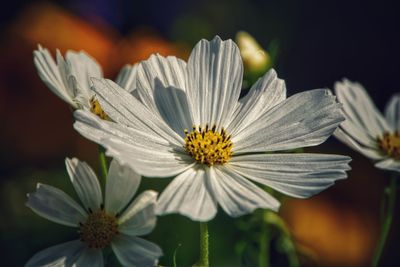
{"x": 117, "y": 222}
{"x": 366, "y": 130}
{"x": 69, "y": 78}
{"x": 215, "y": 161}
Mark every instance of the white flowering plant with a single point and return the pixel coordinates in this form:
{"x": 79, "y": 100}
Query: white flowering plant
{"x": 186, "y": 123}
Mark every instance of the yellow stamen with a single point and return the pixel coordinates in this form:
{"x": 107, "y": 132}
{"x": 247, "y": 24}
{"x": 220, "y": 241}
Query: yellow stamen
{"x": 96, "y": 109}
{"x": 99, "y": 229}
{"x": 209, "y": 146}
{"x": 389, "y": 144}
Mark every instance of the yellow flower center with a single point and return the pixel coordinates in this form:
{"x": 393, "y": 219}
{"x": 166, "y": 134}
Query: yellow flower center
{"x": 96, "y": 109}
{"x": 99, "y": 229}
{"x": 389, "y": 144}
{"x": 209, "y": 146}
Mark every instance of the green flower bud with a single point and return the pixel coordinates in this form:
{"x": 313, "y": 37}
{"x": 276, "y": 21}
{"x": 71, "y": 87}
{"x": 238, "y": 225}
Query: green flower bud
{"x": 255, "y": 59}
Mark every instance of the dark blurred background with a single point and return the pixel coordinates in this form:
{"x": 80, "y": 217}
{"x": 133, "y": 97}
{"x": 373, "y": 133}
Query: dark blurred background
{"x": 319, "y": 43}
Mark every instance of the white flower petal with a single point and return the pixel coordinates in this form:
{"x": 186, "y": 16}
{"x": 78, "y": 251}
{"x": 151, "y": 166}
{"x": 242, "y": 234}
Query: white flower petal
{"x": 297, "y": 175}
{"x": 266, "y": 93}
{"x": 388, "y": 164}
{"x": 122, "y": 184}
{"x": 61, "y": 255}
{"x": 173, "y": 107}
{"x": 85, "y": 183}
{"x": 135, "y": 251}
{"x": 144, "y": 152}
{"x": 49, "y": 73}
{"x": 236, "y": 195}
{"x": 170, "y": 71}
{"x": 82, "y": 67}
{"x": 90, "y": 257}
{"x": 359, "y": 134}
{"x": 146, "y": 162}
{"x": 188, "y": 195}
{"x": 139, "y": 218}
{"x": 96, "y": 129}
{"x": 304, "y": 119}
{"x": 371, "y": 153}
{"x": 392, "y": 112}
{"x": 54, "y": 205}
{"x": 359, "y": 108}
{"x": 124, "y": 108}
{"x": 64, "y": 70}
{"x": 215, "y": 72}
{"x": 127, "y": 77}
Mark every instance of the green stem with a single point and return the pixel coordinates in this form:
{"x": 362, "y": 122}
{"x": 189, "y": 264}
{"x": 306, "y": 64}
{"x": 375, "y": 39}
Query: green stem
{"x": 174, "y": 256}
{"x": 390, "y": 193}
{"x": 263, "y": 256}
{"x": 203, "y": 260}
{"x": 273, "y": 219}
{"x": 103, "y": 163}
{"x": 292, "y": 254}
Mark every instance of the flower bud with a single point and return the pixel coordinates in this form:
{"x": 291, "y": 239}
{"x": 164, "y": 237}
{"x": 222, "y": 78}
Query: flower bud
{"x": 255, "y": 59}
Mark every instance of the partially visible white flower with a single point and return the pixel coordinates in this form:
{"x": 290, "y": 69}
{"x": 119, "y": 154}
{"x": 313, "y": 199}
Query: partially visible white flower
{"x": 114, "y": 221}
{"x": 365, "y": 129}
{"x": 189, "y": 123}
{"x": 69, "y": 77}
